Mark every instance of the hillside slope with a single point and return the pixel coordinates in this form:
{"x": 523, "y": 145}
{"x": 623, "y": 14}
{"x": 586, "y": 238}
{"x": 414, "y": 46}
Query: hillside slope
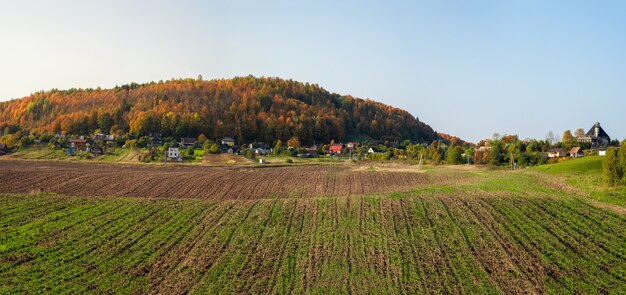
{"x": 586, "y": 174}
{"x": 246, "y": 108}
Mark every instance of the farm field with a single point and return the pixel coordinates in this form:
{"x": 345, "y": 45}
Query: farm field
{"x": 446, "y": 231}
{"x": 177, "y": 181}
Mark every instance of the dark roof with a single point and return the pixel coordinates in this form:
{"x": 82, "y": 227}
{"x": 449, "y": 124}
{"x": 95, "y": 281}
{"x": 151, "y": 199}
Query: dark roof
{"x": 601, "y": 132}
{"x": 78, "y": 140}
{"x": 228, "y": 139}
{"x": 188, "y": 140}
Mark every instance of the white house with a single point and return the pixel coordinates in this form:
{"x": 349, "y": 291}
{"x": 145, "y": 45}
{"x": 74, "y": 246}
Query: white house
{"x": 173, "y": 154}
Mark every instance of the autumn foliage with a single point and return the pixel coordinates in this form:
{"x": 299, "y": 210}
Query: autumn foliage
{"x": 247, "y": 109}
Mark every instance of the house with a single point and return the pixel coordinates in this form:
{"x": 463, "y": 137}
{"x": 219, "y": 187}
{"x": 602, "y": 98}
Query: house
{"x": 173, "y": 154}
{"x": 602, "y": 152}
{"x": 557, "y": 153}
{"x": 335, "y": 149}
{"x": 101, "y": 142}
{"x": 155, "y": 138}
{"x": 576, "y": 152}
{"x": 256, "y": 145}
{"x": 596, "y": 136}
{"x": 229, "y": 142}
{"x": 351, "y": 145}
{"x": 483, "y": 149}
{"x": 312, "y": 151}
{"x": 372, "y": 150}
{"x": 261, "y": 151}
{"x": 187, "y": 142}
{"x": 102, "y": 137}
{"x": 79, "y": 144}
{"x": 259, "y": 148}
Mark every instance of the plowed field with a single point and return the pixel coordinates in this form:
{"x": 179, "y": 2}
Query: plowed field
{"x": 79, "y": 179}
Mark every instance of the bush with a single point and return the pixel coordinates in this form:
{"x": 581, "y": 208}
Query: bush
{"x": 212, "y": 148}
{"x": 289, "y": 161}
{"x": 143, "y": 142}
{"x": 190, "y": 152}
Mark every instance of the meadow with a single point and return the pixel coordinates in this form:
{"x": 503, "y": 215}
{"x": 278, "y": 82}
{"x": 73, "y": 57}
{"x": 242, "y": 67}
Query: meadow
{"x": 479, "y": 232}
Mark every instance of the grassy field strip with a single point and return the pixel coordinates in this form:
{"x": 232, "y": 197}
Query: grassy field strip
{"x": 175, "y": 269}
{"x": 504, "y": 272}
{"x": 532, "y": 236}
{"x": 59, "y": 252}
{"x": 513, "y": 258}
{"x": 577, "y": 237}
{"x": 23, "y": 212}
{"x": 211, "y": 262}
{"x": 278, "y": 237}
{"x": 426, "y": 241}
{"x": 82, "y": 262}
{"x": 169, "y": 223}
{"x": 284, "y": 277}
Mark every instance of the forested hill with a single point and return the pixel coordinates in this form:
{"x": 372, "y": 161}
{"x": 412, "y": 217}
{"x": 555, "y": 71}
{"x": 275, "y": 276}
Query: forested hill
{"x": 247, "y": 109}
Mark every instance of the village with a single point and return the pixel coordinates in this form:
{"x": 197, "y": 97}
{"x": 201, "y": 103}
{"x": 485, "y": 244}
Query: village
{"x": 507, "y": 150}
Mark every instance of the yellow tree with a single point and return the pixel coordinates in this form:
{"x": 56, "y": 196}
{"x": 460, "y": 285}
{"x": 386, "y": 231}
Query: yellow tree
{"x": 293, "y": 142}
{"x": 568, "y": 139}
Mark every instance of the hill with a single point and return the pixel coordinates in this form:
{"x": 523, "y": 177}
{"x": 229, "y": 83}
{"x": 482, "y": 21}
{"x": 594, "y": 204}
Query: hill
{"x": 585, "y": 174}
{"x": 245, "y": 108}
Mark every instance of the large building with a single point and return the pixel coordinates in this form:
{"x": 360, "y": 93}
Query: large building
{"x": 596, "y": 136}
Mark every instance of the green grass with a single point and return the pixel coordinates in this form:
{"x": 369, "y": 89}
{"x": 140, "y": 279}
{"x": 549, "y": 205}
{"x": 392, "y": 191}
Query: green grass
{"x": 39, "y": 153}
{"x": 116, "y": 155}
{"x": 586, "y": 174}
{"x": 497, "y": 232}
{"x": 590, "y": 165}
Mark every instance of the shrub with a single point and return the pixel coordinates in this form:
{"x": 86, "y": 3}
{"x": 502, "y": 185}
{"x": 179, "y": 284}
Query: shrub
{"x": 212, "y": 148}
{"x": 190, "y": 152}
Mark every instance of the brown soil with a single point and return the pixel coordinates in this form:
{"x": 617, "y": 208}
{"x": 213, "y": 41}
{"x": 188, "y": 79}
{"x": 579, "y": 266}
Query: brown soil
{"x": 219, "y": 183}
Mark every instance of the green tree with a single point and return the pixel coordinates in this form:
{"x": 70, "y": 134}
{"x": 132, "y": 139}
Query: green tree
{"x": 453, "y": 157}
{"x": 495, "y": 156}
{"x": 104, "y": 122}
{"x": 250, "y": 154}
{"x": 202, "y": 138}
{"x": 277, "y": 147}
{"x": 622, "y": 161}
{"x": 612, "y": 172}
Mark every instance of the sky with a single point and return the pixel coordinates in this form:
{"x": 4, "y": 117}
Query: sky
{"x": 467, "y": 68}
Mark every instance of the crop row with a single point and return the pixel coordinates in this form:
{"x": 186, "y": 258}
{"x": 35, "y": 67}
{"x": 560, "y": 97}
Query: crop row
{"x": 424, "y": 243}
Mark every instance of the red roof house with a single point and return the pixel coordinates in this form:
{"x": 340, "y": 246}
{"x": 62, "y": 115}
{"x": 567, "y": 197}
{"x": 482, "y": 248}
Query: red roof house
{"x": 335, "y": 149}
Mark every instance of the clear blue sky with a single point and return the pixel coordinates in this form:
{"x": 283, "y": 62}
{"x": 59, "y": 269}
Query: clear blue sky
{"x": 469, "y": 68}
